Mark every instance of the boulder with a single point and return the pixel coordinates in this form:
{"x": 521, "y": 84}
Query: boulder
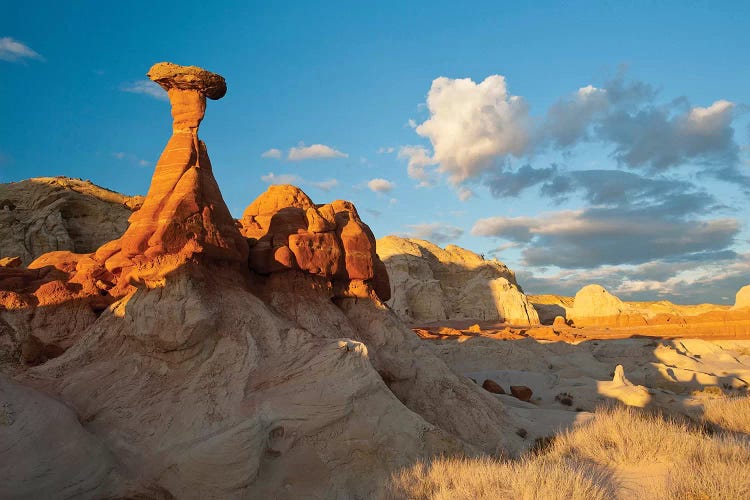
{"x": 521, "y": 392}
{"x": 492, "y": 386}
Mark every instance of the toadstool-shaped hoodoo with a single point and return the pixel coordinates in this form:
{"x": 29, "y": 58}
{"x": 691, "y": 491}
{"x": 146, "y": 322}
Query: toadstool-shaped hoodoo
{"x": 184, "y": 216}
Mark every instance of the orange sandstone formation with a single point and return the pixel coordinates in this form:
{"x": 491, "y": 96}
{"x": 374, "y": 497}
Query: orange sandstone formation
{"x": 184, "y": 216}
{"x": 287, "y": 231}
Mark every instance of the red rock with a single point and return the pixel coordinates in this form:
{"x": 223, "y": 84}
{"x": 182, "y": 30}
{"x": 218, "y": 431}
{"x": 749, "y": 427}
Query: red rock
{"x": 184, "y": 216}
{"x": 521, "y": 392}
{"x": 492, "y": 386}
{"x": 329, "y": 240}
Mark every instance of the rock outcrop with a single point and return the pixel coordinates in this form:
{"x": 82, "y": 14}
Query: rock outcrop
{"x": 48, "y": 214}
{"x": 287, "y": 231}
{"x": 430, "y": 284}
{"x": 594, "y": 306}
{"x": 184, "y": 217}
{"x": 742, "y": 301}
{"x": 206, "y": 375}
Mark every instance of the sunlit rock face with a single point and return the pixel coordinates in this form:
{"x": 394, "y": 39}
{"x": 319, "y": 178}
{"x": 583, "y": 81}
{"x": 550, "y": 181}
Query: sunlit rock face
{"x": 594, "y": 306}
{"x": 48, "y": 214}
{"x": 287, "y": 231}
{"x": 742, "y": 301}
{"x": 184, "y": 216}
{"x": 429, "y": 283}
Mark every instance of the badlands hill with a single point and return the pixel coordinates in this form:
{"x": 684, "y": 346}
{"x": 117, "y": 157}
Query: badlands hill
{"x": 56, "y": 213}
{"x": 432, "y": 284}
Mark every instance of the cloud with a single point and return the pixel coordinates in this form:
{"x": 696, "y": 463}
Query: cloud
{"x": 121, "y": 155}
{"x": 465, "y": 194}
{"x": 471, "y": 124}
{"x": 592, "y": 237}
{"x": 272, "y": 178}
{"x": 380, "y": 185}
{"x": 418, "y": 160}
{"x": 386, "y": 150}
{"x": 660, "y": 137}
{"x": 475, "y": 129}
{"x": 326, "y": 185}
{"x": 568, "y": 120}
{"x": 146, "y": 87}
{"x": 435, "y": 232}
{"x": 506, "y": 183}
{"x": 687, "y": 282}
{"x": 12, "y": 50}
{"x": 314, "y": 151}
{"x": 271, "y": 153}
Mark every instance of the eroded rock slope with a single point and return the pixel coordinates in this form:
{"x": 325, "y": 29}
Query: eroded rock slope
{"x": 430, "y": 284}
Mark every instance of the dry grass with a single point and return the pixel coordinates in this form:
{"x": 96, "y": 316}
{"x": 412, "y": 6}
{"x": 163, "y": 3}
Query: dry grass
{"x": 485, "y": 478}
{"x": 582, "y": 463}
{"x": 729, "y": 414}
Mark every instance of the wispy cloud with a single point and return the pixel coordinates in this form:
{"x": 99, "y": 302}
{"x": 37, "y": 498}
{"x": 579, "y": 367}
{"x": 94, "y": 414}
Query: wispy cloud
{"x": 12, "y": 50}
{"x": 271, "y": 153}
{"x": 146, "y": 87}
{"x": 273, "y": 178}
{"x": 436, "y": 232}
{"x": 314, "y": 151}
{"x": 326, "y": 185}
{"x": 131, "y": 158}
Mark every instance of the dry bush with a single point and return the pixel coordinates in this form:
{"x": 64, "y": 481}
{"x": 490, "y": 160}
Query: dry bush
{"x": 582, "y": 462}
{"x": 729, "y": 414}
{"x": 485, "y": 478}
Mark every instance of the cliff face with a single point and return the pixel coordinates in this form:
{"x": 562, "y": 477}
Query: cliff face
{"x": 47, "y": 214}
{"x": 188, "y": 359}
{"x": 429, "y": 284}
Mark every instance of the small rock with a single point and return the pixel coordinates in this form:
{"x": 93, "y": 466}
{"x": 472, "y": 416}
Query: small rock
{"x": 559, "y": 322}
{"x": 492, "y": 386}
{"x": 521, "y": 392}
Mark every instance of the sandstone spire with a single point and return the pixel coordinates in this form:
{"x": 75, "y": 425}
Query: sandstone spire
{"x": 184, "y": 216}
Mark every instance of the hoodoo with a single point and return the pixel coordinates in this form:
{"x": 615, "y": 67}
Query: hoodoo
{"x": 184, "y": 216}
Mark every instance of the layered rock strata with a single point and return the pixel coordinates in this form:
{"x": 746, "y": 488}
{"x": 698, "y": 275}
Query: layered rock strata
{"x": 48, "y": 214}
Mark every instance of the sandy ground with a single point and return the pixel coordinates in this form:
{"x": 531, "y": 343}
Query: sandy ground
{"x": 574, "y": 371}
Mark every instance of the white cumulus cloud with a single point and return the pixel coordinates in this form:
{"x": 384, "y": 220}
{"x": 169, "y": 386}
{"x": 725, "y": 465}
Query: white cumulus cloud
{"x": 471, "y": 124}
{"x": 380, "y": 185}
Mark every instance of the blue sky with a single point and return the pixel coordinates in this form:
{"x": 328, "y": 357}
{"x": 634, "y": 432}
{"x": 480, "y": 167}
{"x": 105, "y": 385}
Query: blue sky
{"x": 578, "y": 142}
